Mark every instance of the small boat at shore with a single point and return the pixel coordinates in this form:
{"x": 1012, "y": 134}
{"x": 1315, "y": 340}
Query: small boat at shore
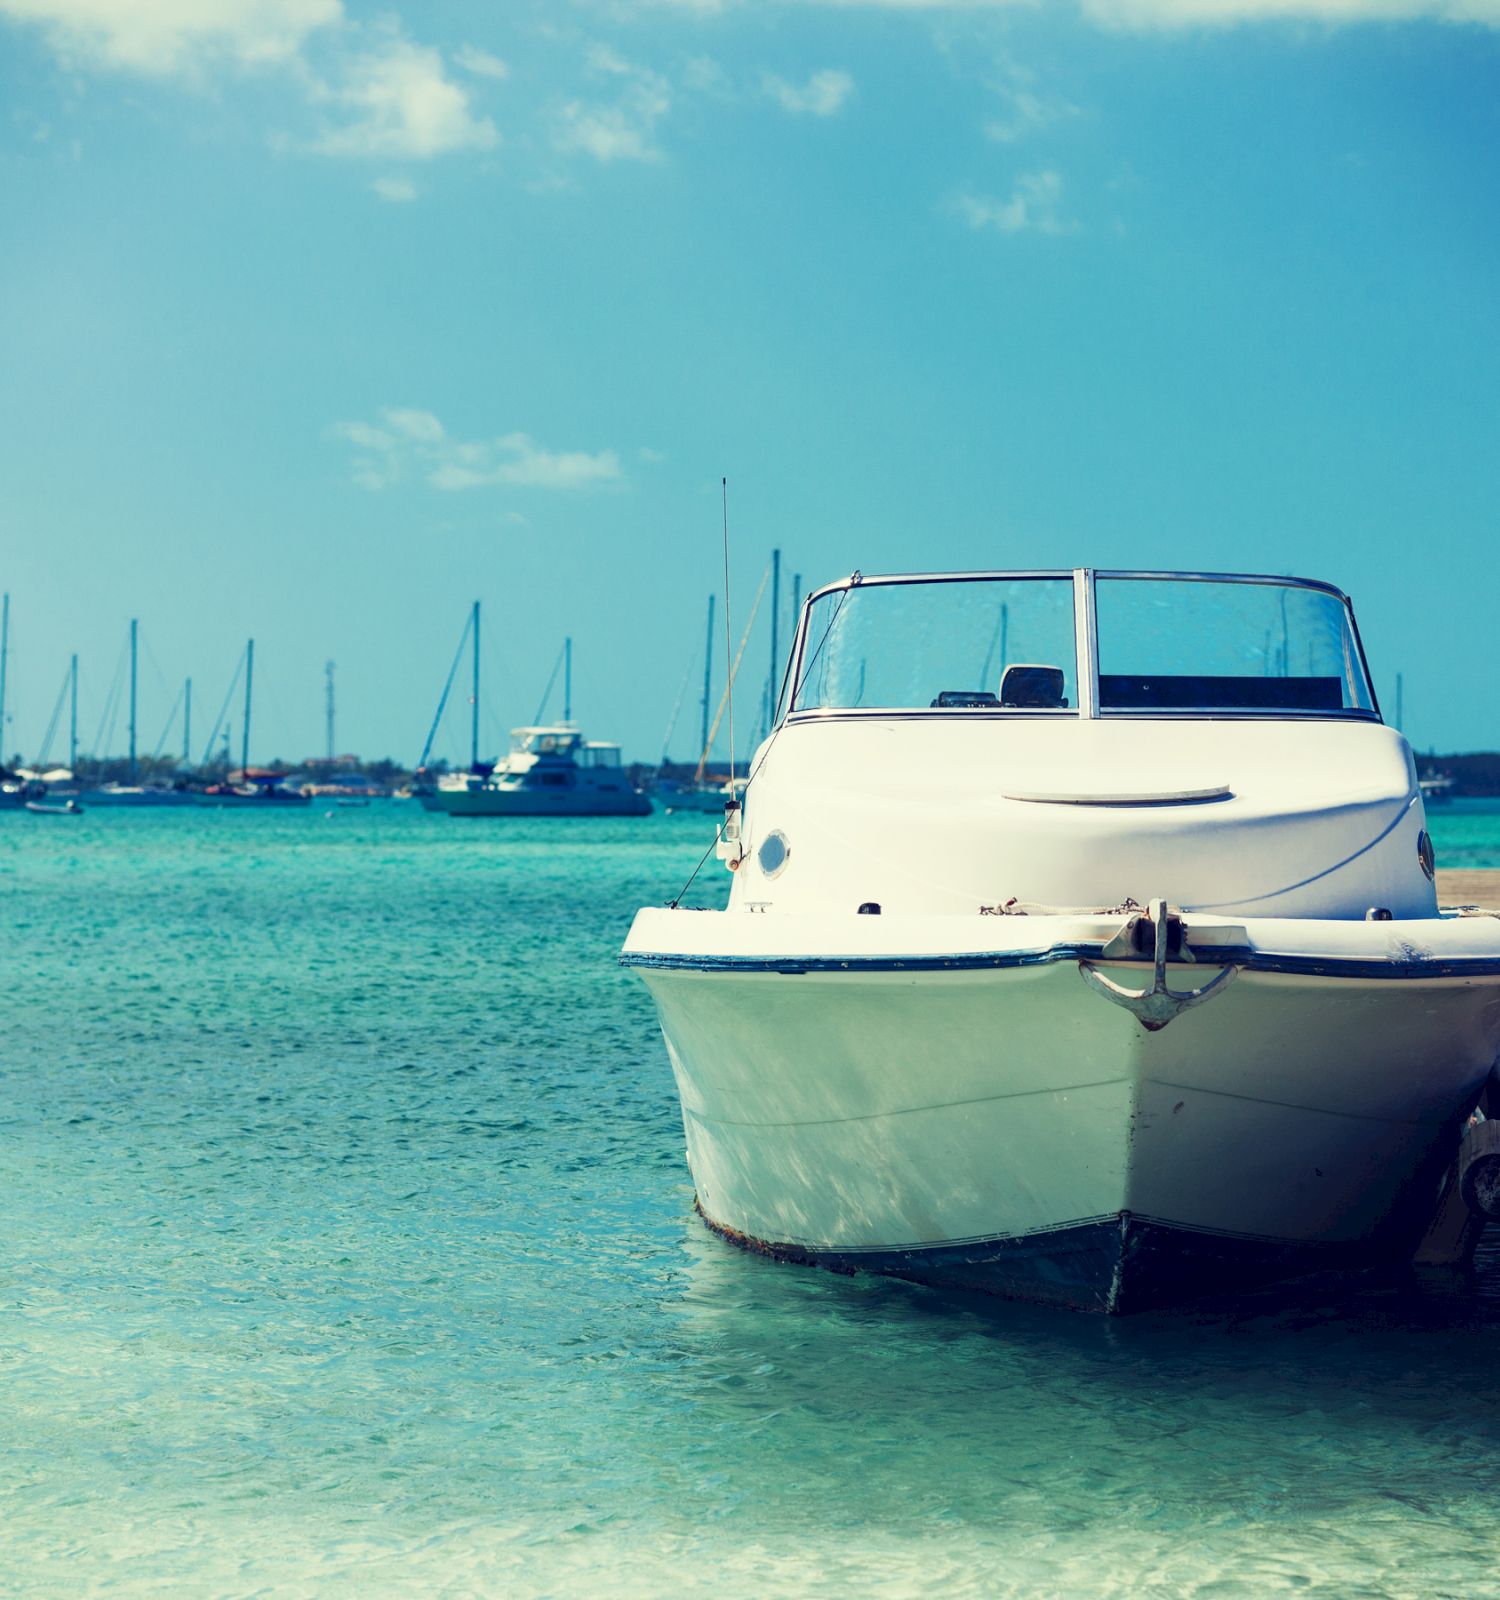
{"x": 54, "y": 808}
{"x": 1082, "y": 946}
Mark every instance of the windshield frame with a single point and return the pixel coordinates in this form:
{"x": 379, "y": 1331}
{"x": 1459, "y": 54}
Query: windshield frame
{"x": 1086, "y": 643}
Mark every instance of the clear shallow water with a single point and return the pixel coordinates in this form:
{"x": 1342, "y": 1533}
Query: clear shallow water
{"x": 349, "y": 1250}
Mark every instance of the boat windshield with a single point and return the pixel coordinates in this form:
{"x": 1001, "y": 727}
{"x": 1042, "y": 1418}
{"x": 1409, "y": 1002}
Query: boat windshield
{"x": 948, "y": 644}
{"x": 544, "y": 741}
{"x": 1161, "y": 644}
{"x": 1191, "y": 644}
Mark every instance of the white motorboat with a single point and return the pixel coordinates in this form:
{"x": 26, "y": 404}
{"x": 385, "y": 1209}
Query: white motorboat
{"x": 1082, "y": 946}
{"x": 551, "y": 771}
{"x": 135, "y": 794}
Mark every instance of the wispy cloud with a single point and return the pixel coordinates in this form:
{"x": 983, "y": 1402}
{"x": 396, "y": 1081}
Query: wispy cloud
{"x": 401, "y": 102}
{"x": 621, "y": 128}
{"x": 1166, "y": 14}
{"x": 823, "y": 95}
{"x": 167, "y": 37}
{"x": 395, "y": 189}
{"x": 1025, "y": 106}
{"x": 382, "y": 94}
{"x": 407, "y": 444}
{"x": 480, "y": 62}
{"x": 1034, "y": 206}
{"x": 1220, "y": 13}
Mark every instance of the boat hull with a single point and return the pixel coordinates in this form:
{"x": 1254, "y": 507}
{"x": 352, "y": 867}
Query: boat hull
{"x": 137, "y": 797}
{"x": 582, "y": 802}
{"x": 1001, "y": 1127}
{"x": 709, "y": 801}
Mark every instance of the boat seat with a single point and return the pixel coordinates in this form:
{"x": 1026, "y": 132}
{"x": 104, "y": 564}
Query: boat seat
{"x": 967, "y": 699}
{"x": 1134, "y": 691}
{"x": 1027, "y": 686}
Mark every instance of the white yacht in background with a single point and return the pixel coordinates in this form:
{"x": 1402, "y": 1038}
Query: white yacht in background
{"x": 137, "y": 794}
{"x": 551, "y": 771}
{"x": 1082, "y": 946}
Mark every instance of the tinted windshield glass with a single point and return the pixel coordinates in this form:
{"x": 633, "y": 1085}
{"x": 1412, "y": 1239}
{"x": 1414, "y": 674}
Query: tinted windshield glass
{"x": 1177, "y": 644}
{"x": 961, "y": 644}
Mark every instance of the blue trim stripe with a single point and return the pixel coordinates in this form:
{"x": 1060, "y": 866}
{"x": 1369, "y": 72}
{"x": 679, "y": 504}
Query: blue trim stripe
{"x": 1208, "y": 955}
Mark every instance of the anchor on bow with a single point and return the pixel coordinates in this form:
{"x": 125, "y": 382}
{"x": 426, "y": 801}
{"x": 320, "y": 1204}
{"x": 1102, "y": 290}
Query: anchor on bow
{"x": 1158, "y": 1005}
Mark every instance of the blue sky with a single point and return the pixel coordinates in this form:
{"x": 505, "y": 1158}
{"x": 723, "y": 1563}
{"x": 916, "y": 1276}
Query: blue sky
{"x": 319, "y": 320}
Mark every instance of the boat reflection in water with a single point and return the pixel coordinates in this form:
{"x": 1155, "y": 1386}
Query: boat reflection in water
{"x": 551, "y": 771}
{"x": 1082, "y": 946}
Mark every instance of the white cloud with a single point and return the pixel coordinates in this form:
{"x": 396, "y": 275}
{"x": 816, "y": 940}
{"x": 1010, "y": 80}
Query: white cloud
{"x": 410, "y": 443}
{"x": 821, "y": 96}
{"x": 397, "y": 190}
{"x": 164, "y": 37}
{"x": 602, "y": 59}
{"x": 621, "y": 129}
{"x": 1221, "y": 13}
{"x": 395, "y": 97}
{"x": 480, "y": 62}
{"x": 1166, "y": 14}
{"x": 364, "y": 436}
{"x": 704, "y": 75}
{"x": 421, "y": 426}
{"x": 403, "y": 104}
{"x": 1035, "y": 206}
{"x": 1025, "y": 108}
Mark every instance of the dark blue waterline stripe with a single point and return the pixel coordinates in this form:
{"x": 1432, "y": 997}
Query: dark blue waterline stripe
{"x": 984, "y": 1241}
{"x": 1208, "y": 955}
{"x": 1114, "y": 1264}
{"x": 796, "y": 966}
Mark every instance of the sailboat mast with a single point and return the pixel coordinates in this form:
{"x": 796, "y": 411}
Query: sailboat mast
{"x": 134, "y": 631}
{"x": 187, "y": 722}
{"x": 73, "y": 715}
{"x": 245, "y": 731}
{"x": 474, "y": 698}
{"x": 568, "y": 681}
{"x": 708, "y": 674}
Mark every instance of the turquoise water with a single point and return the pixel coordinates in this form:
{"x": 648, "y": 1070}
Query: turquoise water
{"x": 349, "y": 1251}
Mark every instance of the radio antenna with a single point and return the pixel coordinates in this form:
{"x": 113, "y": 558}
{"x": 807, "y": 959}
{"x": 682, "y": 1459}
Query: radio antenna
{"x": 728, "y": 631}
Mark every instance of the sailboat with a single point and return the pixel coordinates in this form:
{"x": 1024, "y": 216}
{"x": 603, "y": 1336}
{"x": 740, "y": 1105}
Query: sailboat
{"x": 699, "y": 794}
{"x": 257, "y": 786}
{"x": 703, "y": 793}
{"x": 133, "y": 793}
{"x": 426, "y": 784}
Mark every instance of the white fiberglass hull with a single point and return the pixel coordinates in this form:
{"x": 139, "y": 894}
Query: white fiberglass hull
{"x": 137, "y": 797}
{"x": 969, "y": 1111}
{"x": 522, "y": 801}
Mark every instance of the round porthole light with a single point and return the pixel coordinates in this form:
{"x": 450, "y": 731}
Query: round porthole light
{"x": 773, "y": 853}
{"x": 1425, "y": 854}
